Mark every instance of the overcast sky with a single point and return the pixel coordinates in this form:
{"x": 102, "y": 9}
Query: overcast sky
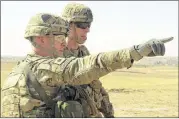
{"x": 116, "y": 25}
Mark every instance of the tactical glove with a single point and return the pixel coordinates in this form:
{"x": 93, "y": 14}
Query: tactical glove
{"x": 151, "y": 48}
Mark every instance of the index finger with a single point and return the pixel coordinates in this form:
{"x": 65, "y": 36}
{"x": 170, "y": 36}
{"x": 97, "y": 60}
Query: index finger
{"x": 164, "y": 40}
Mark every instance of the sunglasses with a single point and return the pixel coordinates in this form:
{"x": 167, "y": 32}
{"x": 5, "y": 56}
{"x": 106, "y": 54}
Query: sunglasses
{"x": 83, "y": 25}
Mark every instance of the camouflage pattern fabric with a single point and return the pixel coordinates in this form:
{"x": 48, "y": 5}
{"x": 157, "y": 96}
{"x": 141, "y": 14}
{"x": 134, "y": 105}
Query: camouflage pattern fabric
{"x": 95, "y": 88}
{"x": 54, "y": 72}
{"x": 43, "y": 24}
{"x": 77, "y": 13}
{"x": 15, "y": 95}
{"x": 16, "y": 98}
{"x": 20, "y": 99}
{"x": 69, "y": 109}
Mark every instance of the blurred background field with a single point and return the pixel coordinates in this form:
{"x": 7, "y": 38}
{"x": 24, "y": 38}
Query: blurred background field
{"x": 144, "y": 92}
{"x": 141, "y": 91}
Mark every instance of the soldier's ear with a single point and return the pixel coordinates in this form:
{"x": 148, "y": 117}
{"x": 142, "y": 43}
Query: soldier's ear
{"x": 72, "y": 26}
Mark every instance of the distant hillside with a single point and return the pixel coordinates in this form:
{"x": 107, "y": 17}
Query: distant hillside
{"x": 11, "y": 58}
{"x": 168, "y": 61}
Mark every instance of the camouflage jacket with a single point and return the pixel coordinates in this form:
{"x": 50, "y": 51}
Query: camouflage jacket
{"x": 54, "y": 72}
{"x": 95, "y": 88}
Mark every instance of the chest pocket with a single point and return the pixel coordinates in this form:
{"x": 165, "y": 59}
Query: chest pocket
{"x": 53, "y": 70}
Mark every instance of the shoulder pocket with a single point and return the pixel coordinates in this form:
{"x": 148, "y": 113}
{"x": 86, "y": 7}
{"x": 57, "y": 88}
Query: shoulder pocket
{"x": 12, "y": 81}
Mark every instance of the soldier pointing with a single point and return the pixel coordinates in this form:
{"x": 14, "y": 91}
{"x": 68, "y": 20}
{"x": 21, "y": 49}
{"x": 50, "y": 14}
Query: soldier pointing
{"x": 47, "y": 95}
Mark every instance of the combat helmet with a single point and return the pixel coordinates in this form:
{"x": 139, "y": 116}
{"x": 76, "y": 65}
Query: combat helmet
{"x": 43, "y": 23}
{"x": 76, "y": 12}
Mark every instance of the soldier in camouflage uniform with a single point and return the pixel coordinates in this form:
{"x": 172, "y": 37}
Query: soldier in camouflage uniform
{"x": 80, "y": 18}
{"x": 37, "y": 85}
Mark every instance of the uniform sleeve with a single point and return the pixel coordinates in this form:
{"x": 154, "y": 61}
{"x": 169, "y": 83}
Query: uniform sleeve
{"x": 10, "y": 98}
{"x": 10, "y": 104}
{"x": 78, "y": 71}
{"x": 84, "y": 70}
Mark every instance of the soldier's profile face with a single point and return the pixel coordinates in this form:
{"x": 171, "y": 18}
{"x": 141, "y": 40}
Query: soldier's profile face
{"x": 81, "y": 31}
{"x": 51, "y": 43}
